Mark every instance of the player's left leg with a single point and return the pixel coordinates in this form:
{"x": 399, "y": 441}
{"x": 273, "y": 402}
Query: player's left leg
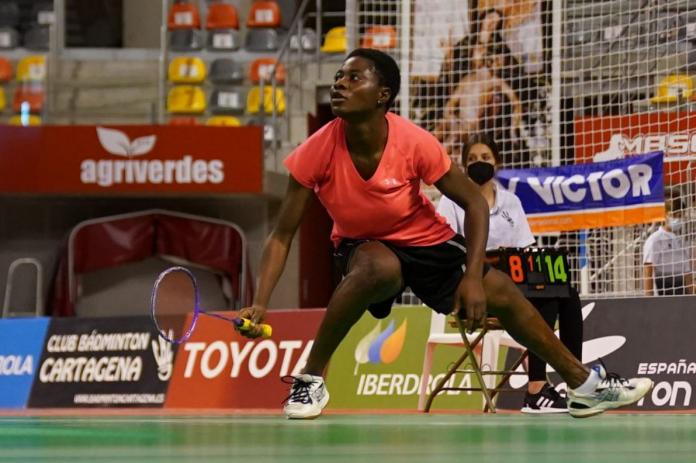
{"x": 589, "y": 392}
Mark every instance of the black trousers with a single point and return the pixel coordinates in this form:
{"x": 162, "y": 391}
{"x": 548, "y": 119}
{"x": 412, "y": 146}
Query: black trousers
{"x": 568, "y": 311}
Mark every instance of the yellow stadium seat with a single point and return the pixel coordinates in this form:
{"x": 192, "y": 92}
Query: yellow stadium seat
{"x": 25, "y": 121}
{"x": 224, "y": 121}
{"x": 254, "y": 100}
{"x": 3, "y": 101}
{"x": 32, "y": 69}
{"x": 335, "y": 41}
{"x": 186, "y": 99}
{"x": 187, "y": 70}
{"x": 672, "y": 87}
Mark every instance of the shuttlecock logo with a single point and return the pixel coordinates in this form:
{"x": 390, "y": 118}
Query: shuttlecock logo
{"x": 164, "y": 357}
{"x": 381, "y": 346}
{"x": 117, "y": 142}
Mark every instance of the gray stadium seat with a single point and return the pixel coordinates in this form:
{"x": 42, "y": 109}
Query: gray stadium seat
{"x": 226, "y": 71}
{"x": 261, "y": 40}
{"x": 308, "y": 40}
{"x": 8, "y": 38}
{"x": 9, "y": 14}
{"x": 37, "y": 38}
{"x": 185, "y": 39}
{"x": 223, "y": 39}
{"x": 268, "y": 129}
{"x": 227, "y": 101}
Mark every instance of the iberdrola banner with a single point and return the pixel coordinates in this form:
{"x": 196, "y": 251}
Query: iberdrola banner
{"x": 595, "y": 195}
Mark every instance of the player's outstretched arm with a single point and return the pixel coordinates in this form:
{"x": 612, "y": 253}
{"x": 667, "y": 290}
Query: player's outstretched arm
{"x": 275, "y": 250}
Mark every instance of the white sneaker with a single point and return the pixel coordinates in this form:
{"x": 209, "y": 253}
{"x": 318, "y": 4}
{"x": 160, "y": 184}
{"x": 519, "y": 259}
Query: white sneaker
{"x": 612, "y": 391}
{"x": 308, "y": 397}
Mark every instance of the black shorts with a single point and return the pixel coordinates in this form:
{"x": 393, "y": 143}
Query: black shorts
{"x": 432, "y": 272}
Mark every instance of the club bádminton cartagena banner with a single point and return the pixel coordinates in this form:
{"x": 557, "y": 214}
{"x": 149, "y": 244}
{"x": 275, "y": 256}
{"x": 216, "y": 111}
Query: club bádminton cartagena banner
{"x": 595, "y": 195}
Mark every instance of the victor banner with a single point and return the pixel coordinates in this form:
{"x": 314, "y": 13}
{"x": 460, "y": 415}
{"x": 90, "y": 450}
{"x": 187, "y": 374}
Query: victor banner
{"x": 102, "y": 362}
{"x": 131, "y": 159}
{"x": 218, "y": 368}
{"x": 594, "y": 195}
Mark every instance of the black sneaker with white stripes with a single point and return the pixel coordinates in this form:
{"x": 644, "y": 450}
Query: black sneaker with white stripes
{"x": 548, "y": 400}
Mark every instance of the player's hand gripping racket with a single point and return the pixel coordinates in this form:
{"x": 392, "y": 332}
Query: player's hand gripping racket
{"x": 175, "y": 296}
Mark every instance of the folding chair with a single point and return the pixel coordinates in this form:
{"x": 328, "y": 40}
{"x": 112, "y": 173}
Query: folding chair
{"x": 490, "y": 338}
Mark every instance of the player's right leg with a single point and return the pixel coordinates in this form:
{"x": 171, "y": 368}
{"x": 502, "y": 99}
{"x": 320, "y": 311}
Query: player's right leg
{"x": 373, "y": 275}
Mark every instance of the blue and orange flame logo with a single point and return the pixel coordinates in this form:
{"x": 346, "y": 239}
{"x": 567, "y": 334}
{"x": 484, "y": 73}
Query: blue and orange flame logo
{"x": 381, "y": 346}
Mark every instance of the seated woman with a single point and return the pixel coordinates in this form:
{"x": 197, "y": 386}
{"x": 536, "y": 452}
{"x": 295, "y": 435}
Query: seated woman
{"x": 509, "y": 228}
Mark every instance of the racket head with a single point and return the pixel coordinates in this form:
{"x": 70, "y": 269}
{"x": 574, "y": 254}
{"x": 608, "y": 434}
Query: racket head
{"x": 174, "y": 304}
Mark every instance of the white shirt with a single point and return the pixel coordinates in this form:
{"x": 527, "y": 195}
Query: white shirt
{"x": 667, "y": 253}
{"x": 508, "y": 224}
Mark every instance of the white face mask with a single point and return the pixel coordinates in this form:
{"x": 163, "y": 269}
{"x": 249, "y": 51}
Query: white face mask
{"x": 675, "y": 224}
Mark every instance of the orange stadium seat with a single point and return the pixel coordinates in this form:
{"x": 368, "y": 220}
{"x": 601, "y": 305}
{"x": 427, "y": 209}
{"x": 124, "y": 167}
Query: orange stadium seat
{"x": 33, "y": 95}
{"x": 262, "y": 67}
{"x": 184, "y": 15}
{"x": 222, "y": 16}
{"x": 5, "y": 70}
{"x": 379, "y": 37}
{"x": 264, "y": 14}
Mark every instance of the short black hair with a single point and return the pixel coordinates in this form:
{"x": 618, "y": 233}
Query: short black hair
{"x": 386, "y": 68}
{"x": 483, "y": 139}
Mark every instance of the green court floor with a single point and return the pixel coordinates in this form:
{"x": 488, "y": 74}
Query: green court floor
{"x": 354, "y": 439}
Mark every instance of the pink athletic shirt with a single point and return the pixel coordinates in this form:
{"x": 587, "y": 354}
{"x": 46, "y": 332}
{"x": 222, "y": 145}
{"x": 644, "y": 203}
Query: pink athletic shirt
{"x": 389, "y": 206}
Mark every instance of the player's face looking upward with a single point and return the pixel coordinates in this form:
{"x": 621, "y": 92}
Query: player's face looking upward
{"x": 357, "y": 89}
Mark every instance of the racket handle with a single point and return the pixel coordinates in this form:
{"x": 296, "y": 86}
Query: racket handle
{"x": 244, "y": 324}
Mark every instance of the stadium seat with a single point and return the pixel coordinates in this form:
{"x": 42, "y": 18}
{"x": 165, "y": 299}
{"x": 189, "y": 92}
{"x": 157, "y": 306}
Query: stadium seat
{"x": 226, "y": 71}
{"x": 187, "y": 70}
{"x": 37, "y": 38}
{"x": 269, "y": 131}
{"x": 42, "y": 13}
{"x": 8, "y": 38}
{"x": 183, "y": 121}
{"x": 31, "y": 68}
{"x": 253, "y": 103}
{"x": 5, "y": 70}
{"x": 223, "y": 39}
{"x": 9, "y": 14}
{"x": 186, "y": 99}
{"x": 335, "y": 41}
{"x": 186, "y": 40}
{"x": 3, "y": 100}
{"x": 223, "y": 121}
{"x": 227, "y": 101}
{"x": 25, "y": 121}
{"x": 379, "y": 37}
{"x": 672, "y": 88}
{"x": 308, "y": 40}
{"x": 264, "y": 14}
{"x": 183, "y": 15}
{"x": 221, "y": 16}
{"x": 33, "y": 95}
{"x": 262, "y": 67}
{"x": 261, "y": 40}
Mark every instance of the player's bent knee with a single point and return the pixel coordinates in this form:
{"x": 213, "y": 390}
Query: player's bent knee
{"x": 376, "y": 271}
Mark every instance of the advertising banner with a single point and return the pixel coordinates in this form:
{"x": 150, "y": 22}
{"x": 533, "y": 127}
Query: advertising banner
{"x": 616, "y": 137}
{"x": 102, "y": 362}
{"x": 131, "y": 159}
{"x": 379, "y": 365}
{"x": 218, "y": 368}
{"x": 594, "y": 195}
{"x": 638, "y": 337}
{"x": 21, "y": 341}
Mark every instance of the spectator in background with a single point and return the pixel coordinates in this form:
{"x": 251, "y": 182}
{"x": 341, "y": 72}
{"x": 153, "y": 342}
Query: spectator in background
{"x": 666, "y": 263}
{"x": 508, "y": 227}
